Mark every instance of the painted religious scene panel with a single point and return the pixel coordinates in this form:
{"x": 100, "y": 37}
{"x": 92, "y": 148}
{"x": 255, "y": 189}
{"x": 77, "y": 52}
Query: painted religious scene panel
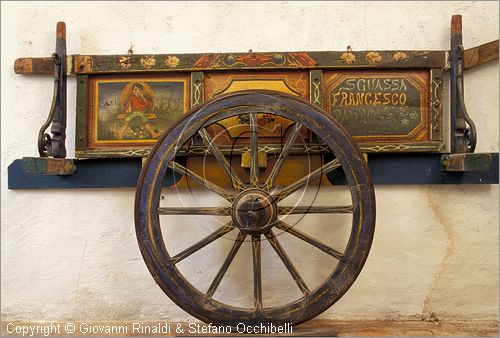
{"x": 125, "y": 112}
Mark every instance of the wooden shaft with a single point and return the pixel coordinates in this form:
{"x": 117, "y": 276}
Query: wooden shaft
{"x": 457, "y": 120}
{"x": 456, "y": 24}
{"x": 481, "y": 54}
{"x": 28, "y": 66}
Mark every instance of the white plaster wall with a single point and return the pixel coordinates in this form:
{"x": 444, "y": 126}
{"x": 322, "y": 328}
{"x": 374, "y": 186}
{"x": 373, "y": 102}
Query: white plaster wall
{"x": 72, "y": 254}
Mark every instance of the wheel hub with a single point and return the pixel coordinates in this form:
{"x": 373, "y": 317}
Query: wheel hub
{"x": 254, "y": 212}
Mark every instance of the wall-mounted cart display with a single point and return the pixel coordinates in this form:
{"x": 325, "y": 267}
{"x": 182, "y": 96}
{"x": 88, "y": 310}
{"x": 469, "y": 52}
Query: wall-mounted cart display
{"x": 253, "y": 129}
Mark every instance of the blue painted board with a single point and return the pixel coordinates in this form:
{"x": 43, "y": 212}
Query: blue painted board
{"x": 123, "y": 173}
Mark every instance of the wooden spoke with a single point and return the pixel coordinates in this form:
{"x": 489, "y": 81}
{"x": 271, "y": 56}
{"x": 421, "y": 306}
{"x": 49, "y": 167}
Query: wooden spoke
{"x": 219, "y": 156}
{"x": 325, "y": 169}
{"x": 223, "y": 211}
{"x": 257, "y": 272}
{"x": 283, "y": 155}
{"x": 288, "y": 263}
{"x": 254, "y": 152}
{"x": 346, "y": 209}
{"x": 179, "y": 168}
{"x": 299, "y": 234}
{"x": 227, "y": 262}
{"x": 202, "y": 243}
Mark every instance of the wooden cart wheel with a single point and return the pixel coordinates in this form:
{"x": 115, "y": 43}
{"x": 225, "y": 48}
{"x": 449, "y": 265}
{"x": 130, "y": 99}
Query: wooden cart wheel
{"x": 255, "y": 212}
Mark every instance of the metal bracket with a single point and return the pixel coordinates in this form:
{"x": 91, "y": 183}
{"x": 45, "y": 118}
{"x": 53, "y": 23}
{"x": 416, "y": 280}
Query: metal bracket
{"x": 48, "y": 166}
{"x": 463, "y": 131}
{"x": 466, "y": 162}
{"x": 55, "y": 145}
{"x": 246, "y": 158}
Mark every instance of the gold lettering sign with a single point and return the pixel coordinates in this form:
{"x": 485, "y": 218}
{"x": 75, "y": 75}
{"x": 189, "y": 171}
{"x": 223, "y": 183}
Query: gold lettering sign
{"x": 380, "y": 105}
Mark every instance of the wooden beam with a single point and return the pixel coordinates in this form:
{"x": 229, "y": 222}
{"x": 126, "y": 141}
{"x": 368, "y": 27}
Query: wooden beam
{"x": 29, "y": 66}
{"x": 388, "y": 169}
{"x": 481, "y": 54}
{"x": 475, "y": 56}
{"x": 100, "y": 64}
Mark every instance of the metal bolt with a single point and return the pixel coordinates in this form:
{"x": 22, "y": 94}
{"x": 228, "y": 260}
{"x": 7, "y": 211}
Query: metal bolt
{"x": 446, "y": 162}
